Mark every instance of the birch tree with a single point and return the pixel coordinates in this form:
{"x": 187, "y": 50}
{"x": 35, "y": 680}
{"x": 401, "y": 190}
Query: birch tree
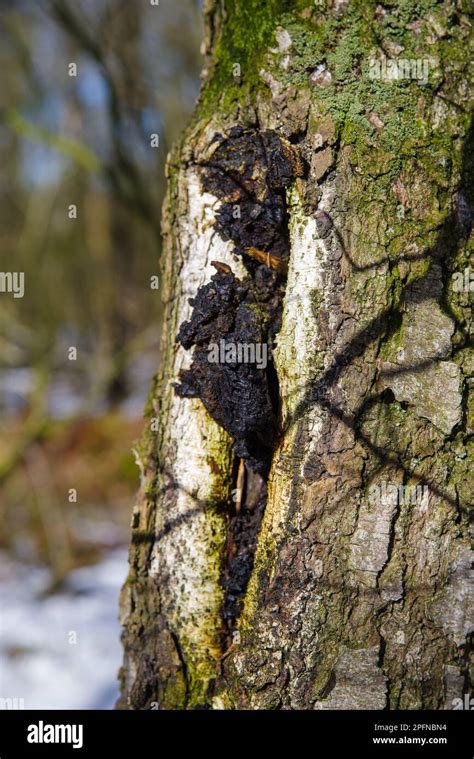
{"x": 300, "y": 539}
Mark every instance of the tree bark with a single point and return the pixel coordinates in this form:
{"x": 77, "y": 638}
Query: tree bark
{"x": 353, "y": 588}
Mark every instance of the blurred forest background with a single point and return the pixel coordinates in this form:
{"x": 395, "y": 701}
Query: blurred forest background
{"x": 82, "y": 140}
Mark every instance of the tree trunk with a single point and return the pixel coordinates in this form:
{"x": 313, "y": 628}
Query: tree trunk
{"x": 351, "y": 591}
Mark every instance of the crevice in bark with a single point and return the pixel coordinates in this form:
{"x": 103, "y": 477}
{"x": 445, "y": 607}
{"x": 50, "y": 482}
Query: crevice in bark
{"x": 233, "y": 329}
{"x": 466, "y": 663}
{"x": 242, "y": 536}
{"x": 182, "y": 661}
{"x": 380, "y": 664}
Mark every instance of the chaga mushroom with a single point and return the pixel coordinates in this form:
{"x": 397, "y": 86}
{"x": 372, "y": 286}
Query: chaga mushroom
{"x": 229, "y": 327}
{"x": 248, "y": 171}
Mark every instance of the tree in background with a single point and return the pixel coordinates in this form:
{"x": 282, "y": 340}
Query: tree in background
{"x": 95, "y": 136}
{"x": 300, "y": 538}
{"x": 88, "y": 111}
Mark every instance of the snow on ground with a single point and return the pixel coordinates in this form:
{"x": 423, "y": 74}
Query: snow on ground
{"x": 61, "y": 651}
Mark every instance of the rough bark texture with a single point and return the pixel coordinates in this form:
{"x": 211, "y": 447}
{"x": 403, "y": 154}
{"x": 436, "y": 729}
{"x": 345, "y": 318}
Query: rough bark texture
{"x": 358, "y": 595}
